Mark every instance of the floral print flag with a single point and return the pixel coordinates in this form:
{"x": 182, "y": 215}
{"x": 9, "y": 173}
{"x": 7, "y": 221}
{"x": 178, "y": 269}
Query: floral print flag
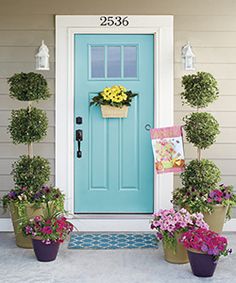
{"x": 167, "y": 144}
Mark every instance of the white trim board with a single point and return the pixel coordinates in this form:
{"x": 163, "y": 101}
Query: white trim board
{"x": 66, "y": 28}
{"x": 105, "y": 225}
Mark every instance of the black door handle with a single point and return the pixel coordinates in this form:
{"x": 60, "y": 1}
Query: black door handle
{"x": 79, "y": 138}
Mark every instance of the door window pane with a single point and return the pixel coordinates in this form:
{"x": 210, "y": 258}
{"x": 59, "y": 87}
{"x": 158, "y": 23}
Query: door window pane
{"x": 97, "y": 62}
{"x": 130, "y": 61}
{"x": 113, "y": 61}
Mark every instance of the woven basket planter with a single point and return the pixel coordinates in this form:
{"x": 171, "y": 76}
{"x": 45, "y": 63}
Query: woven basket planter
{"x": 114, "y": 112}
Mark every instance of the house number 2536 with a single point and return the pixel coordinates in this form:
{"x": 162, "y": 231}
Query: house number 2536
{"x": 114, "y": 21}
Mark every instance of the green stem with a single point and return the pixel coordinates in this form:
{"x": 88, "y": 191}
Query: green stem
{"x": 30, "y": 145}
{"x": 199, "y": 154}
{"x": 198, "y": 149}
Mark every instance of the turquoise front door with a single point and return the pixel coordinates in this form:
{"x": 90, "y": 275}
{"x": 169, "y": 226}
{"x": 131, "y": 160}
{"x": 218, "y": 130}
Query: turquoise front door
{"x": 114, "y": 173}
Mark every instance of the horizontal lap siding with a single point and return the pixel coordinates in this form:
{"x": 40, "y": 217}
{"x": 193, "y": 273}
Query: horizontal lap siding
{"x": 210, "y": 26}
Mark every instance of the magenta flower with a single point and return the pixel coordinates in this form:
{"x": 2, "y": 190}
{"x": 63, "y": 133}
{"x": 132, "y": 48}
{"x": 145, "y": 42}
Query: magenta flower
{"x": 47, "y": 230}
{"x": 28, "y": 230}
{"x": 206, "y": 241}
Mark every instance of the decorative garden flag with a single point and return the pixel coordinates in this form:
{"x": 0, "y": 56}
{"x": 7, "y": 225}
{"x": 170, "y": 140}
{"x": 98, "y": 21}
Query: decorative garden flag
{"x": 167, "y": 144}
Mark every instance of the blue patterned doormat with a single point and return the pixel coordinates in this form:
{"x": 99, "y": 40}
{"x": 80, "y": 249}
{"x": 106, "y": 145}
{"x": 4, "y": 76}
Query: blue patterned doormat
{"x": 107, "y": 241}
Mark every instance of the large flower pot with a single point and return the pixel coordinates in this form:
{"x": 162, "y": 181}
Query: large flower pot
{"x": 178, "y": 255}
{"x": 21, "y": 240}
{"x": 216, "y": 219}
{"x": 202, "y": 265}
{"x": 114, "y": 112}
{"x": 45, "y": 252}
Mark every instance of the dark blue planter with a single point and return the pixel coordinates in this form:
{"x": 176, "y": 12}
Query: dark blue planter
{"x": 45, "y": 252}
{"x": 203, "y": 265}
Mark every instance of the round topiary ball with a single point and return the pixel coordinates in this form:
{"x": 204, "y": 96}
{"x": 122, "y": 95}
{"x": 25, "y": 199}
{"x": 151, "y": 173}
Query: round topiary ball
{"x": 28, "y": 125}
{"x": 201, "y": 175}
{"x": 199, "y": 89}
{"x": 28, "y": 86}
{"x": 201, "y": 129}
{"x": 31, "y": 173}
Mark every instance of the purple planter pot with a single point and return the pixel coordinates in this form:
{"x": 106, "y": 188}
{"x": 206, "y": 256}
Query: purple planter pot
{"x": 203, "y": 265}
{"x": 45, "y": 252}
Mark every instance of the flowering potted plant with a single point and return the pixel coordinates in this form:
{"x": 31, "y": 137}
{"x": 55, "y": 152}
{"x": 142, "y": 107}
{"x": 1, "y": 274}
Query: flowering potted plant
{"x": 47, "y": 233}
{"x": 25, "y": 203}
{"x": 114, "y": 101}
{"x": 204, "y": 249}
{"x": 215, "y": 204}
{"x": 220, "y": 202}
{"x": 30, "y": 172}
{"x": 170, "y": 224}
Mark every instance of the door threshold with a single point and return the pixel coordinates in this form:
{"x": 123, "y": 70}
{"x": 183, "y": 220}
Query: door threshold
{"x": 108, "y": 223}
{"x": 111, "y": 216}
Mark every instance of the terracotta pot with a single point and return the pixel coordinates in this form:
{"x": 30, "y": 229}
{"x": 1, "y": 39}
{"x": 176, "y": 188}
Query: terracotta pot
{"x": 114, "y": 112}
{"x": 216, "y": 219}
{"x": 21, "y": 240}
{"x": 178, "y": 255}
{"x": 45, "y": 252}
{"x": 202, "y": 265}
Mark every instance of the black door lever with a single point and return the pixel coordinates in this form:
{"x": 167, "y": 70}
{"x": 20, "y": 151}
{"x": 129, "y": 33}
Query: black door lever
{"x": 79, "y": 138}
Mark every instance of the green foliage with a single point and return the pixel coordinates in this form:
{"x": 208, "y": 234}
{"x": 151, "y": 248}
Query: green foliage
{"x": 31, "y": 173}
{"x": 200, "y": 175}
{"x": 198, "y": 179}
{"x": 201, "y": 129}
{"x": 170, "y": 242}
{"x": 199, "y": 89}
{"x": 27, "y": 125}
{"x": 28, "y": 87}
{"x": 191, "y": 199}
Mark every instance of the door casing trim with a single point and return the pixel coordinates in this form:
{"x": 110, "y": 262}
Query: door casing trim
{"x": 66, "y": 28}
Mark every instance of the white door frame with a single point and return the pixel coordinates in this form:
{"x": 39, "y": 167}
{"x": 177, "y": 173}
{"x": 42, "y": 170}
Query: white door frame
{"x": 66, "y": 28}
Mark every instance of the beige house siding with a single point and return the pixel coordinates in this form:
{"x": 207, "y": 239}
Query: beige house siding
{"x": 210, "y": 26}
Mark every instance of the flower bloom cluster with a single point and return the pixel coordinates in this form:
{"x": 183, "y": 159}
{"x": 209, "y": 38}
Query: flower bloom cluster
{"x": 167, "y": 222}
{"x": 116, "y": 96}
{"x": 205, "y": 241}
{"x": 44, "y": 194}
{"x": 114, "y": 93}
{"x": 48, "y": 230}
{"x": 219, "y": 195}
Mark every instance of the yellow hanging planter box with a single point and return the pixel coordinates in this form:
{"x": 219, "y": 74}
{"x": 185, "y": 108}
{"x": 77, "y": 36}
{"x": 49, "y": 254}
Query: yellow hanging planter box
{"x": 114, "y": 112}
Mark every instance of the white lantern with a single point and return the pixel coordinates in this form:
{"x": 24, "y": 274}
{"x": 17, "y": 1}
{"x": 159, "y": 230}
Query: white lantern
{"x": 188, "y": 57}
{"x": 42, "y": 58}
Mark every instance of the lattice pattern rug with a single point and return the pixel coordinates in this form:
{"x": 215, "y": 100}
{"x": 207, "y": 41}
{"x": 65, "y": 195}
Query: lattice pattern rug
{"x": 105, "y": 241}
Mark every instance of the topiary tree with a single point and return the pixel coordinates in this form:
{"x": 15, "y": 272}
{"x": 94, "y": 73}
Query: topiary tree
{"x": 28, "y": 126}
{"x": 200, "y": 175}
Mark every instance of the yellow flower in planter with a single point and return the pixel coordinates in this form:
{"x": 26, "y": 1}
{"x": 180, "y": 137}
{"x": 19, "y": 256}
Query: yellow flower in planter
{"x": 124, "y": 96}
{"x": 115, "y": 89}
{"x": 122, "y": 88}
{"x": 115, "y": 96}
{"x": 107, "y": 90}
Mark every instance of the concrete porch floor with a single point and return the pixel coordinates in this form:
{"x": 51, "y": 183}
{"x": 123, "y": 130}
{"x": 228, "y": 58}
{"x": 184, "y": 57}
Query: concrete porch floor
{"x": 101, "y": 266}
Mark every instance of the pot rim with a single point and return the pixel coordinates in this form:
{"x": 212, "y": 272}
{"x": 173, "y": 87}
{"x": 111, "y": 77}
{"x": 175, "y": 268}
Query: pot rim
{"x": 196, "y": 251}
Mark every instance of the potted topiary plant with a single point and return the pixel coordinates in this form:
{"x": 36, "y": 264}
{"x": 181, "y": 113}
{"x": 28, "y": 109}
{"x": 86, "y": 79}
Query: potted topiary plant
{"x": 170, "y": 225}
{"x": 114, "y": 101}
{"x": 201, "y": 176}
{"x": 47, "y": 231}
{"x": 204, "y": 250}
{"x": 29, "y": 172}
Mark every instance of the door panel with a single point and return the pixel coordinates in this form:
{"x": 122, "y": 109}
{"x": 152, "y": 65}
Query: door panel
{"x": 115, "y": 173}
